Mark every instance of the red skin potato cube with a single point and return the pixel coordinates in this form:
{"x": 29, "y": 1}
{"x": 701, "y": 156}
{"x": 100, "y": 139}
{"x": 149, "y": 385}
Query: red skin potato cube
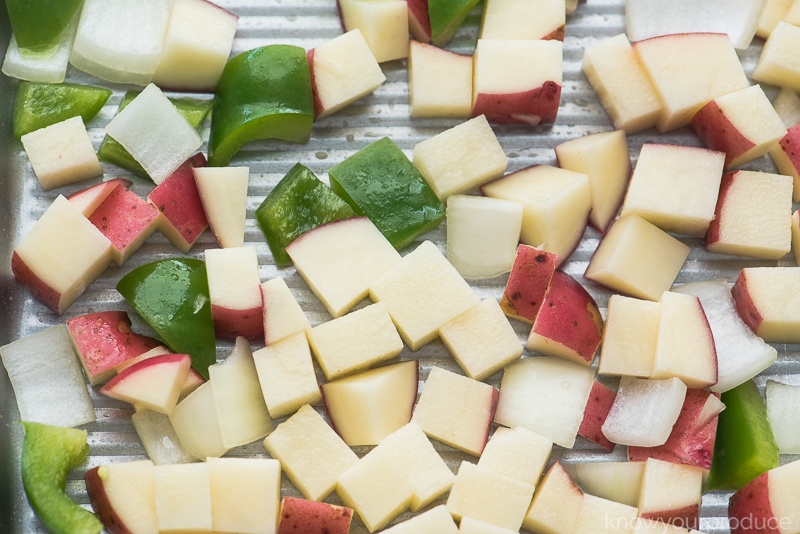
{"x": 528, "y": 282}
{"x": 104, "y": 340}
{"x": 101, "y": 503}
{"x": 570, "y": 318}
{"x": 600, "y": 400}
{"x": 717, "y": 133}
{"x": 301, "y": 516}
{"x": 40, "y": 290}
{"x": 125, "y": 219}
{"x": 745, "y": 306}
{"x": 179, "y": 202}
{"x": 750, "y": 507}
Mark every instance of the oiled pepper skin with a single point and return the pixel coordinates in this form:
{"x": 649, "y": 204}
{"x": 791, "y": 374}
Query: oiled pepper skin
{"x": 379, "y": 181}
{"x": 264, "y": 93}
{"x": 172, "y": 296}
{"x": 38, "y": 26}
{"x": 38, "y": 104}
{"x": 745, "y": 446}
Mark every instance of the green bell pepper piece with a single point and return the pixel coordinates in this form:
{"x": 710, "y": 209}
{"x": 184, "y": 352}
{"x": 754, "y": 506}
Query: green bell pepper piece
{"x": 298, "y": 203}
{"x": 48, "y": 454}
{"x": 745, "y": 446}
{"x": 172, "y": 296}
{"x": 194, "y": 110}
{"x": 37, "y": 104}
{"x": 262, "y": 94}
{"x": 446, "y": 17}
{"x": 38, "y": 26}
{"x": 379, "y": 181}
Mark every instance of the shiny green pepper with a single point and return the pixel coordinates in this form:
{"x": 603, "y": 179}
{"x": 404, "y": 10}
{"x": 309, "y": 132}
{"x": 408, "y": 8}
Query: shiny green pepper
{"x": 745, "y": 446}
{"x": 264, "y": 93}
{"x": 38, "y": 26}
{"x": 37, "y": 105}
{"x": 446, "y": 17}
{"x": 194, "y": 110}
{"x": 379, "y": 181}
{"x": 298, "y": 203}
{"x": 172, "y": 296}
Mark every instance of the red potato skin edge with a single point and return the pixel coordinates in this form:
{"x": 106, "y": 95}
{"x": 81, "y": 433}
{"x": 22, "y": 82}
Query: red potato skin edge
{"x": 712, "y": 235}
{"x": 717, "y": 132}
{"x": 788, "y": 144}
{"x": 230, "y": 324}
{"x": 419, "y": 22}
{"x": 687, "y": 517}
{"x": 101, "y": 505}
{"x": 492, "y": 410}
{"x": 104, "y": 188}
{"x": 155, "y": 360}
{"x": 44, "y": 294}
{"x": 533, "y": 107}
{"x": 600, "y": 400}
{"x": 318, "y": 108}
{"x": 750, "y": 508}
{"x": 744, "y": 304}
{"x": 557, "y": 34}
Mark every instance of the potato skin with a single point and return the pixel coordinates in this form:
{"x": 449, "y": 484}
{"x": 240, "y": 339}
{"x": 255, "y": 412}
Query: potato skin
{"x": 750, "y": 507}
{"x": 100, "y": 503}
{"x": 301, "y": 516}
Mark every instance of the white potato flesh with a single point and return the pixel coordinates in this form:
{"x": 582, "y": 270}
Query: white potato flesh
{"x": 241, "y": 410}
{"x": 482, "y": 234}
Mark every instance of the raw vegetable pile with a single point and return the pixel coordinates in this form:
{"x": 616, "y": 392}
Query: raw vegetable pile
{"x": 382, "y": 114}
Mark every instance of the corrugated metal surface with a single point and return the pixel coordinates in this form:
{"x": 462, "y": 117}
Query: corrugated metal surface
{"x": 385, "y": 113}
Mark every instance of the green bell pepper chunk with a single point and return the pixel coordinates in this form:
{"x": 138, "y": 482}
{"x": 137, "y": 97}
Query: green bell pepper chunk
{"x": 745, "y": 446}
{"x": 48, "y": 454}
{"x": 194, "y": 110}
{"x": 38, "y": 26}
{"x": 379, "y": 181}
{"x": 264, "y": 93}
{"x": 37, "y": 104}
{"x": 446, "y": 17}
{"x": 172, "y": 296}
{"x": 298, "y": 203}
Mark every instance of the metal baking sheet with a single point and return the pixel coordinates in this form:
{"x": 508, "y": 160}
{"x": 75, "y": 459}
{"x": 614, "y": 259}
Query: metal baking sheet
{"x": 385, "y": 113}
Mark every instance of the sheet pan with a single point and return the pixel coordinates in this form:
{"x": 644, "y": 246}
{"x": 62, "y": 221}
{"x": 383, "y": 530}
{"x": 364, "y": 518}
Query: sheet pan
{"x": 385, "y": 113}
